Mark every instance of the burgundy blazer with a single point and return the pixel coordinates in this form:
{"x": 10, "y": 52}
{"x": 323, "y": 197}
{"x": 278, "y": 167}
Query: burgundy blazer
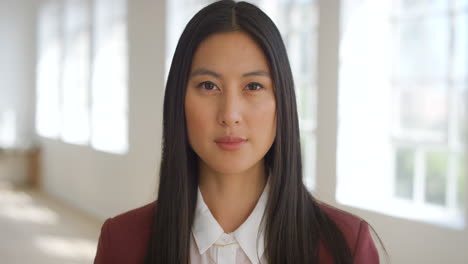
{"x": 124, "y": 238}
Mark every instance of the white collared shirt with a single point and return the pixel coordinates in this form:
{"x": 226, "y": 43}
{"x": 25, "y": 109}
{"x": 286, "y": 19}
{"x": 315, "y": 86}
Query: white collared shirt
{"x": 210, "y": 244}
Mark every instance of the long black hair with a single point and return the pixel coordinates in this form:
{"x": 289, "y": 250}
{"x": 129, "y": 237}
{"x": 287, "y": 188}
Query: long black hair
{"x": 294, "y": 223}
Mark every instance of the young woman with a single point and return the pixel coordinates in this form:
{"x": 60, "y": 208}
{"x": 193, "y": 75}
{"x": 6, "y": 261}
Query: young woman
{"x": 231, "y": 188}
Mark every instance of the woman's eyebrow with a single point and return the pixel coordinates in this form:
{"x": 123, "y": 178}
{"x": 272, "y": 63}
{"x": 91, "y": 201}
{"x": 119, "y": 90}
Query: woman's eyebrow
{"x": 256, "y": 73}
{"x": 203, "y": 71}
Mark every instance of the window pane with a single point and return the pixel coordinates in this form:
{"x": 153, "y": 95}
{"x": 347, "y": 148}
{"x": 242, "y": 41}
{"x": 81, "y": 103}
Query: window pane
{"x": 424, "y": 107}
{"x": 306, "y": 95}
{"x": 461, "y": 3}
{"x": 422, "y": 50}
{"x": 421, "y": 5}
{"x": 463, "y": 113}
{"x": 461, "y": 184}
{"x": 109, "y": 84}
{"x": 365, "y": 156}
{"x": 436, "y": 177}
{"x": 297, "y": 22}
{"x": 308, "y": 158}
{"x": 460, "y": 56}
{"x": 49, "y": 51}
{"x": 8, "y": 129}
{"x": 401, "y": 94}
{"x": 75, "y": 82}
{"x": 404, "y": 184}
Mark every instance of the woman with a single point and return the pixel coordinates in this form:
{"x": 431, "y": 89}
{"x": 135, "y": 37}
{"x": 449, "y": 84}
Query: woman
{"x": 231, "y": 188}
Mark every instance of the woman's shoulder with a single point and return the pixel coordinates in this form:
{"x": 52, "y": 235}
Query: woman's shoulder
{"x": 141, "y": 214}
{"x": 356, "y": 232}
{"x": 347, "y": 222}
{"x": 135, "y": 223}
{"x": 124, "y": 237}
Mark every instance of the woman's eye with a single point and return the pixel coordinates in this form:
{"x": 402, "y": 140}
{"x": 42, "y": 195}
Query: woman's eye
{"x": 254, "y": 86}
{"x": 207, "y": 85}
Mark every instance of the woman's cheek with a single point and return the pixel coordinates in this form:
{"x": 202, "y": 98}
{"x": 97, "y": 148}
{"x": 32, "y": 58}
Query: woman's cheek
{"x": 197, "y": 123}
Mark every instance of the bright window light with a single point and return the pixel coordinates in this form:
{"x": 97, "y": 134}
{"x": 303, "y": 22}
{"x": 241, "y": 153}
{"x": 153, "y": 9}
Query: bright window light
{"x": 48, "y": 117}
{"x": 76, "y": 68}
{"x": 109, "y": 83}
{"x": 82, "y": 78}
{"x": 402, "y": 110}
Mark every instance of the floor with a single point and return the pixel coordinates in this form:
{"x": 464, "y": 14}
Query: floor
{"x": 34, "y": 228}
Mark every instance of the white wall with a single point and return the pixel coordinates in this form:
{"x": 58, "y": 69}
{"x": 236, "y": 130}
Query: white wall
{"x": 415, "y": 242}
{"x": 17, "y": 76}
{"x": 104, "y": 184}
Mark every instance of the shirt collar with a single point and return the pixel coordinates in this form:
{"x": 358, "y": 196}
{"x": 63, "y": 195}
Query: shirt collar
{"x": 206, "y": 229}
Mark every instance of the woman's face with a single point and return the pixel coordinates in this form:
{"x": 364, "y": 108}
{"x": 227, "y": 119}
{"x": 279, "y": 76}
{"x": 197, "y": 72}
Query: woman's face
{"x": 230, "y": 93}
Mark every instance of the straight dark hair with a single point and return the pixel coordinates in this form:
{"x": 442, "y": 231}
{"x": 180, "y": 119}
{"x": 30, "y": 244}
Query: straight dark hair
{"x": 294, "y": 222}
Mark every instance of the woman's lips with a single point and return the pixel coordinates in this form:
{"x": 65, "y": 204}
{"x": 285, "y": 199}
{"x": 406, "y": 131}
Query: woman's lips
{"x": 230, "y": 142}
{"x": 231, "y": 145}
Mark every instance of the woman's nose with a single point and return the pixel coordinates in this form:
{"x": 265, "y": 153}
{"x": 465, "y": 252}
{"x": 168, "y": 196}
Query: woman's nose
{"x": 230, "y": 110}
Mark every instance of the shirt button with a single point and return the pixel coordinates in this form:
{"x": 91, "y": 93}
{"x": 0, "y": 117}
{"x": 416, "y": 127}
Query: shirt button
{"x": 226, "y": 240}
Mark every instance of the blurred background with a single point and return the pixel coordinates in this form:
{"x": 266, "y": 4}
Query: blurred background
{"x": 382, "y": 92}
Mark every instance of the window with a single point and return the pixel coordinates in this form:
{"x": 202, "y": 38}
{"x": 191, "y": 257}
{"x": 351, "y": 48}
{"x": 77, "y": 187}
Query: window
{"x": 48, "y": 70}
{"x": 75, "y": 72}
{"x": 297, "y": 21}
{"x": 82, "y": 73}
{"x": 402, "y": 108}
{"x": 109, "y": 107}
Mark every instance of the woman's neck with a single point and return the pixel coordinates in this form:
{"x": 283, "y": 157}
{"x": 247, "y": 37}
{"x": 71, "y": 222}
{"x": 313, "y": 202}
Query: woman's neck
{"x": 232, "y": 197}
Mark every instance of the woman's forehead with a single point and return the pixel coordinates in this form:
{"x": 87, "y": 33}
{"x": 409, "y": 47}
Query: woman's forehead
{"x": 230, "y": 52}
